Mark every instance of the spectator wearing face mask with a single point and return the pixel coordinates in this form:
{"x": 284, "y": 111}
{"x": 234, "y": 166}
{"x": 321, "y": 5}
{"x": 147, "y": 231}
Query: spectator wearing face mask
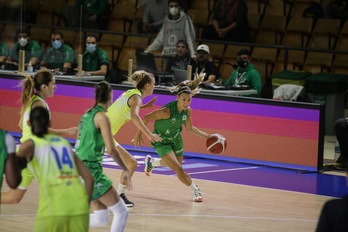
{"x": 245, "y": 74}
{"x": 204, "y": 65}
{"x": 32, "y": 49}
{"x": 60, "y": 56}
{"x": 95, "y": 60}
{"x": 176, "y": 26}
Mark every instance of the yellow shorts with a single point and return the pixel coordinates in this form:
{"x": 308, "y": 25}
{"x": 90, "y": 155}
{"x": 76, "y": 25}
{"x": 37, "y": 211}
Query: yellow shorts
{"x": 27, "y": 178}
{"x": 76, "y": 223}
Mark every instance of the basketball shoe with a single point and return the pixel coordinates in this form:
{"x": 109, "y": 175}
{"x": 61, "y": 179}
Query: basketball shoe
{"x": 126, "y": 201}
{"x": 148, "y": 165}
{"x": 197, "y": 195}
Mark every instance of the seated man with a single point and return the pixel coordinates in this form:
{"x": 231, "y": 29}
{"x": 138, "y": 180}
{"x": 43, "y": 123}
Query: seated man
{"x": 60, "y": 56}
{"x": 181, "y": 59}
{"x": 31, "y": 47}
{"x": 203, "y": 65}
{"x": 4, "y": 51}
{"x": 95, "y": 60}
{"x": 245, "y": 74}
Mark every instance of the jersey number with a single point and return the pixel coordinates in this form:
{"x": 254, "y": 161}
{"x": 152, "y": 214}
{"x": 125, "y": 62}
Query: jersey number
{"x": 63, "y": 159}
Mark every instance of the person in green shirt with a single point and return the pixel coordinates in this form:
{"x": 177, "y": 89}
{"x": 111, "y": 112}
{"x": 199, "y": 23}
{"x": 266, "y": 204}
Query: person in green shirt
{"x": 32, "y": 49}
{"x": 168, "y": 123}
{"x": 245, "y": 75}
{"x": 95, "y": 60}
{"x": 4, "y": 52}
{"x": 60, "y": 56}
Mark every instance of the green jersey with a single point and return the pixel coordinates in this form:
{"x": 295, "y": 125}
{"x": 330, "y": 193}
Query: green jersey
{"x": 119, "y": 111}
{"x": 26, "y": 129}
{"x": 93, "y": 61}
{"x": 90, "y": 145}
{"x": 32, "y": 49}
{"x": 3, "y": 154}
{"x": 171, "y": 127}
{"x": 55, "y": 58}
{"x": 61, "y": 190}
{"x": 4, "y": 51}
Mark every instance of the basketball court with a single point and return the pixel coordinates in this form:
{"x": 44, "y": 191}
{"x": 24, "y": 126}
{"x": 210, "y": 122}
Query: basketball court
{"x": 237, "y": 197}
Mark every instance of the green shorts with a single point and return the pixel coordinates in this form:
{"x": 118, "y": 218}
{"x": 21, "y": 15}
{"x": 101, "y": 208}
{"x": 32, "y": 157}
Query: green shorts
{"x": 168, "y": 145}
{"x": 78, "y": 223}
{"x": 27, "y": 178}
{"x": 102, "y": 183}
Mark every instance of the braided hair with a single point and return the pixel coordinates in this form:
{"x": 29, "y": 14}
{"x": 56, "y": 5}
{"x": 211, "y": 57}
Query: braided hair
{"x": 102, "y": 92}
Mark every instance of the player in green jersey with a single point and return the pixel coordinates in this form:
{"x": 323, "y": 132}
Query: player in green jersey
{"x": 64, "y": 198}
{"x": 35, "y": 91}
{"x": 126, "y": 108}
{"x": 94, "y": 137}
{"x": 168, "y": 123}
{"x": 8, "y": 161}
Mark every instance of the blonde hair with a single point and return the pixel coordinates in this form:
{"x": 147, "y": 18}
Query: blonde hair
{"x": 31, "y": 85}
{"x": 140, "y": 78}
{"x": 189, "y": 86}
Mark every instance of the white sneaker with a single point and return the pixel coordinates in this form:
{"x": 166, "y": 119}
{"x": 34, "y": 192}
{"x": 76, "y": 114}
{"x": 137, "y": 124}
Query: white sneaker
{"x": 197, "y": 195}
{"x": 148, "y": 165}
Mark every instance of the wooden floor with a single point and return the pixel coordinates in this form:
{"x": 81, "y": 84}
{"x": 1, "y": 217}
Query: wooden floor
{"x": 162, "y": 203}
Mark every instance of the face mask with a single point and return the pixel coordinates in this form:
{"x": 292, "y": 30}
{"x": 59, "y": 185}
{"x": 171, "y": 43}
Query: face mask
{"x": 174, "y": 11}
{"x": 242, "y": 63}
{"x": 91, "y": 47}
{"x": 23, "y": 41}
{"x": 56, "y": 44}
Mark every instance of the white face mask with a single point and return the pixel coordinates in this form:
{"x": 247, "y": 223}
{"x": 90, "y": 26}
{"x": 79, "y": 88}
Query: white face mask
{"x": 174, "y": 11}
{"x": 23, "y": 41}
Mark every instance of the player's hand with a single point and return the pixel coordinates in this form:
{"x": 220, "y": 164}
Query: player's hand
{"x": 150, "y": 103}
{"x": 138, "y": 140}
{"x": 155, "y": 138}
{"x": 73, "y": 131}
{"x": 128, "y": 180}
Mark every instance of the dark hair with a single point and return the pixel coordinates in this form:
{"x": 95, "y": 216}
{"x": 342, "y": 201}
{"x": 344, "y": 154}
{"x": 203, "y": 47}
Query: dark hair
{"x": 102, "y": 92}
{"x": 176, "y": 1}
{"x": 93, "y": 36}
{"x": 56, "y": 32}
{"x": 30, "y": 84}
{"x": 243, "y": 51}
{"x": 182, "y": 42}
{"x": 23, "y": 30}
{"x": 39, "y": 120}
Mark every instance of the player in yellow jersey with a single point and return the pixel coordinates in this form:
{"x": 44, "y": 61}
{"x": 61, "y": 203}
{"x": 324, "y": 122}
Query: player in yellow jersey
{"x": 126, "y": 108}
{"x": 35, "y": 91}
{"x": 64, "y": 198}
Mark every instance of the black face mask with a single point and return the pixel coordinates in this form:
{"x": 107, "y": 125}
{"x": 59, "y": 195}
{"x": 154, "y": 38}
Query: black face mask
{"x": 242, "y": 63}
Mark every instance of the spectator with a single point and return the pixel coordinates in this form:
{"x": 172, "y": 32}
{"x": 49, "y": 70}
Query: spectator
{"x": 155, "y": 12}
{"x": 203, "y": 65}
{"x": 245, "y": 75}
{"x": 4, "y": 52}
{"x": 181, "y": 59}
{"x": 60, "y": 56}
{"x": 94, "y": 14}
{"x": 95, "y": 60}
{"x": 176, "y": 26}
{"x": 229, "y": 22}
{"x": 341, "y": 131}
{"x": 31, "y": 47}
{"x": 335, "y": 9}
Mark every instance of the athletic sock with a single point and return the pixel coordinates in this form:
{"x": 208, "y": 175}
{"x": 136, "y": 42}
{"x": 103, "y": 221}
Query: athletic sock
{"x": 120, "y": 216}
{"x": 99, "y": 218}
{"x": 156, "y": 162}
{"x": 193, "y": 186}
{"x": 121, "y": 188}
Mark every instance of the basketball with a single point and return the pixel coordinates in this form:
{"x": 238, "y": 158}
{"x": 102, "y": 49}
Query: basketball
{"x": 216, "y": 144}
